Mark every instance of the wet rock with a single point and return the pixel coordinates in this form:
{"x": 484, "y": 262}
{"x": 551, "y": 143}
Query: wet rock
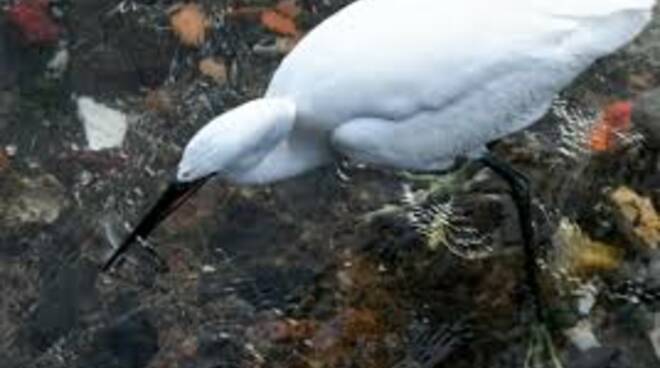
{"x": 38, "y": 200}
{"x": 104, "y": 127}
{"x": 131, "y": 343}
{"x": 646, "y": 116}
{"x": 636, "y": 218}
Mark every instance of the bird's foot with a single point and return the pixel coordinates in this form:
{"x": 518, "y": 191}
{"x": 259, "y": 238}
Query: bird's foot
{"x": 446, "y": 223}
{"x": 417, "y": 189}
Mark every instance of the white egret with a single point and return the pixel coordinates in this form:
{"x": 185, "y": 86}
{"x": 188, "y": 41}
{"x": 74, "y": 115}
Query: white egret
{"x": 406, "y": 84}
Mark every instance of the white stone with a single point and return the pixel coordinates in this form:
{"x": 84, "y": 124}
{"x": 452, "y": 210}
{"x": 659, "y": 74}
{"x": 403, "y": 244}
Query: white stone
{"x": 104, "y": 127}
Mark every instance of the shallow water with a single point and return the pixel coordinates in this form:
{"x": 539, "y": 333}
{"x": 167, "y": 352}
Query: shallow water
{"x": 324, "y": 270}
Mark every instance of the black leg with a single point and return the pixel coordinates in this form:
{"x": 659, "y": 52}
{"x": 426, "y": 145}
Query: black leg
{"x": 520, "y": 191}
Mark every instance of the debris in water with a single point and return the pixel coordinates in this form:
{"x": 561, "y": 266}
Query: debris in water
{"x": 104, "y": 127}
{"x": 189, "y": 23}
{"x": 636, "y": 218}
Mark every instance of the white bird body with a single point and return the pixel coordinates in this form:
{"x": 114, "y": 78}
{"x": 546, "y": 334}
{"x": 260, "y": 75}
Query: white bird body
{"x": 412, "y": 84}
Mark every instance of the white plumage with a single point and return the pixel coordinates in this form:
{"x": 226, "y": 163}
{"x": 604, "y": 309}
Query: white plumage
{"x": 411, "y": 84}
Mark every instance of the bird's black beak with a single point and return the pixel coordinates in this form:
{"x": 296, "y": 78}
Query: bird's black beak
{"x": 174, "y": 196}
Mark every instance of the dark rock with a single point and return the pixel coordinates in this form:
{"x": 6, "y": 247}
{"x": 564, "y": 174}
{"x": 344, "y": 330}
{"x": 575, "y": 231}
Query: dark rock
{"x": 62, "y": 303}
{"x": 646, "y": 116}
{"x": 131, "y": 343}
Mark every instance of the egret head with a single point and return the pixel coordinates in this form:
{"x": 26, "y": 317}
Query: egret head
{"x": 229, "y": 145}
{"x": 237, "y": 140}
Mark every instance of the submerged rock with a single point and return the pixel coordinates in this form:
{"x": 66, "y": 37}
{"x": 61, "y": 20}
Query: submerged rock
{"x": 38, "y": 200}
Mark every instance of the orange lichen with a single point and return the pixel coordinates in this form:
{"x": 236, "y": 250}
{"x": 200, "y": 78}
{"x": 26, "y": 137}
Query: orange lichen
{"x": 189, "y": 23}
{"x": 614, "y": 122}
